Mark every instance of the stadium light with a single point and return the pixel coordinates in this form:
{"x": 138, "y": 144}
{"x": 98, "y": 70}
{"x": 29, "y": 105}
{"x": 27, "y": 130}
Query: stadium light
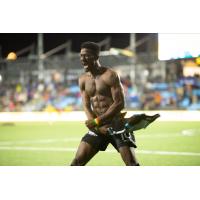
{"x": 1, "y": 78}
{"x": 11, "y": 56}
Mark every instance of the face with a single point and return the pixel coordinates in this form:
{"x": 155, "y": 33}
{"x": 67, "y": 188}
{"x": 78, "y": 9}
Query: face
{"x": 88, "y": 59}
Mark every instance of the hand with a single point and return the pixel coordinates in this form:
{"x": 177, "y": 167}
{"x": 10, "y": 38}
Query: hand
{"x": 101, "y": 129}
{"x": 90, "y": 123}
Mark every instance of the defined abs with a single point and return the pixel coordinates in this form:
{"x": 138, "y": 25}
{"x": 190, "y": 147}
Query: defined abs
{"x": 101, "y": 104}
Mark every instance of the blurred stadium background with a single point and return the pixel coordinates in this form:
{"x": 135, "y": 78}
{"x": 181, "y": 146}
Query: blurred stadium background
{"x": 39, "y": 75}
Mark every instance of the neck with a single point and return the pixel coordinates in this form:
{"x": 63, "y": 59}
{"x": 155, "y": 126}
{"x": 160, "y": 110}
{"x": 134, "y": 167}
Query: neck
{"x": 96, "y": 69}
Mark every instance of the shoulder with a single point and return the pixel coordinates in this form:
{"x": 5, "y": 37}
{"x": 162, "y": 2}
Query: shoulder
{"x": 82, "y": 77}
{"x": 109, "y": 70}
{"x": 81, "y": 80}
{"x": 111, "y": 76}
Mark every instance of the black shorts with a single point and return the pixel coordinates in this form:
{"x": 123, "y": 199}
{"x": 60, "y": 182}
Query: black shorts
{"x": 100, "y": 141}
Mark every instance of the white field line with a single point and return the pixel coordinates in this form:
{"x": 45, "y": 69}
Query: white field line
{"x": 168, "y": 153}
{"x": 42, "y": 141}
{"x": 108, "y": 151}
{"x": 76, "y": 139}
{"x": 48, "y": 141}
{"x": 80, "y": 116}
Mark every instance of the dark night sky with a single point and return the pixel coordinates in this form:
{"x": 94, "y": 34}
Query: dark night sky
{"x": 17, "y": 41}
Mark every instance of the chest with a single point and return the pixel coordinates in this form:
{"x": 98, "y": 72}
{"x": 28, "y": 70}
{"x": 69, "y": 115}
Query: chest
{"x": 95, "y": 86}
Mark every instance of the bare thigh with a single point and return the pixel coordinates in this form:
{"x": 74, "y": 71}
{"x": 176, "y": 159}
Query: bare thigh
{"x": 84, "y": 153}
{"x": 128, "y": 156}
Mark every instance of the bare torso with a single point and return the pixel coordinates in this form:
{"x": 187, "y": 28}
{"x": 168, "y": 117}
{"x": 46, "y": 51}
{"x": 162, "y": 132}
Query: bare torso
{"x": 102, "y": 94}
{"x": 99, "y": 92}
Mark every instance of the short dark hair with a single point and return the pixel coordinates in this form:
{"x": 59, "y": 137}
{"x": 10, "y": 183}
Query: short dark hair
{"x": 92, "y": 46}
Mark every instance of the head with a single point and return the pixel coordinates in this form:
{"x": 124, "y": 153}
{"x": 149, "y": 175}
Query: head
{"x": 89, "y": 55}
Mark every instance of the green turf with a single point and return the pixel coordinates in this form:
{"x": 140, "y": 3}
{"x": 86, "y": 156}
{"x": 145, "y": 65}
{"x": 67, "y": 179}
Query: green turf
{"x": 54, "y": 137}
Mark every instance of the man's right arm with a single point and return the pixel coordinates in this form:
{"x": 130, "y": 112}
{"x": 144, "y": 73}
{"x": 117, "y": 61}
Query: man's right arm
{"x": 86, "y": 99}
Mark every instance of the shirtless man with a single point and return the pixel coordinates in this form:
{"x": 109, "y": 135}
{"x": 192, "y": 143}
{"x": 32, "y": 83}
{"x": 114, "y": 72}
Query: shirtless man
{"x": 103, "y": 100}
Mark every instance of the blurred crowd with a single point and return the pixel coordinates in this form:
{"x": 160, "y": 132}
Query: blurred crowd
{"x": 62, "y": 96}
{"x": 184, "y": 94}
{"x": 40, "y": 96}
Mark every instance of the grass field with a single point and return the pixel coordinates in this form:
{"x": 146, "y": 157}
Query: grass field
{"x": 45, "y": 144}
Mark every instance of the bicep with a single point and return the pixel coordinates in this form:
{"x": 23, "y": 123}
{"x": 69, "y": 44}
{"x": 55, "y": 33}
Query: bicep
{"x": 85, "y": 99}
{"x": 84, "y": 96}
{"x": 117, "y": 89}
{"x": 117, "y": 93}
